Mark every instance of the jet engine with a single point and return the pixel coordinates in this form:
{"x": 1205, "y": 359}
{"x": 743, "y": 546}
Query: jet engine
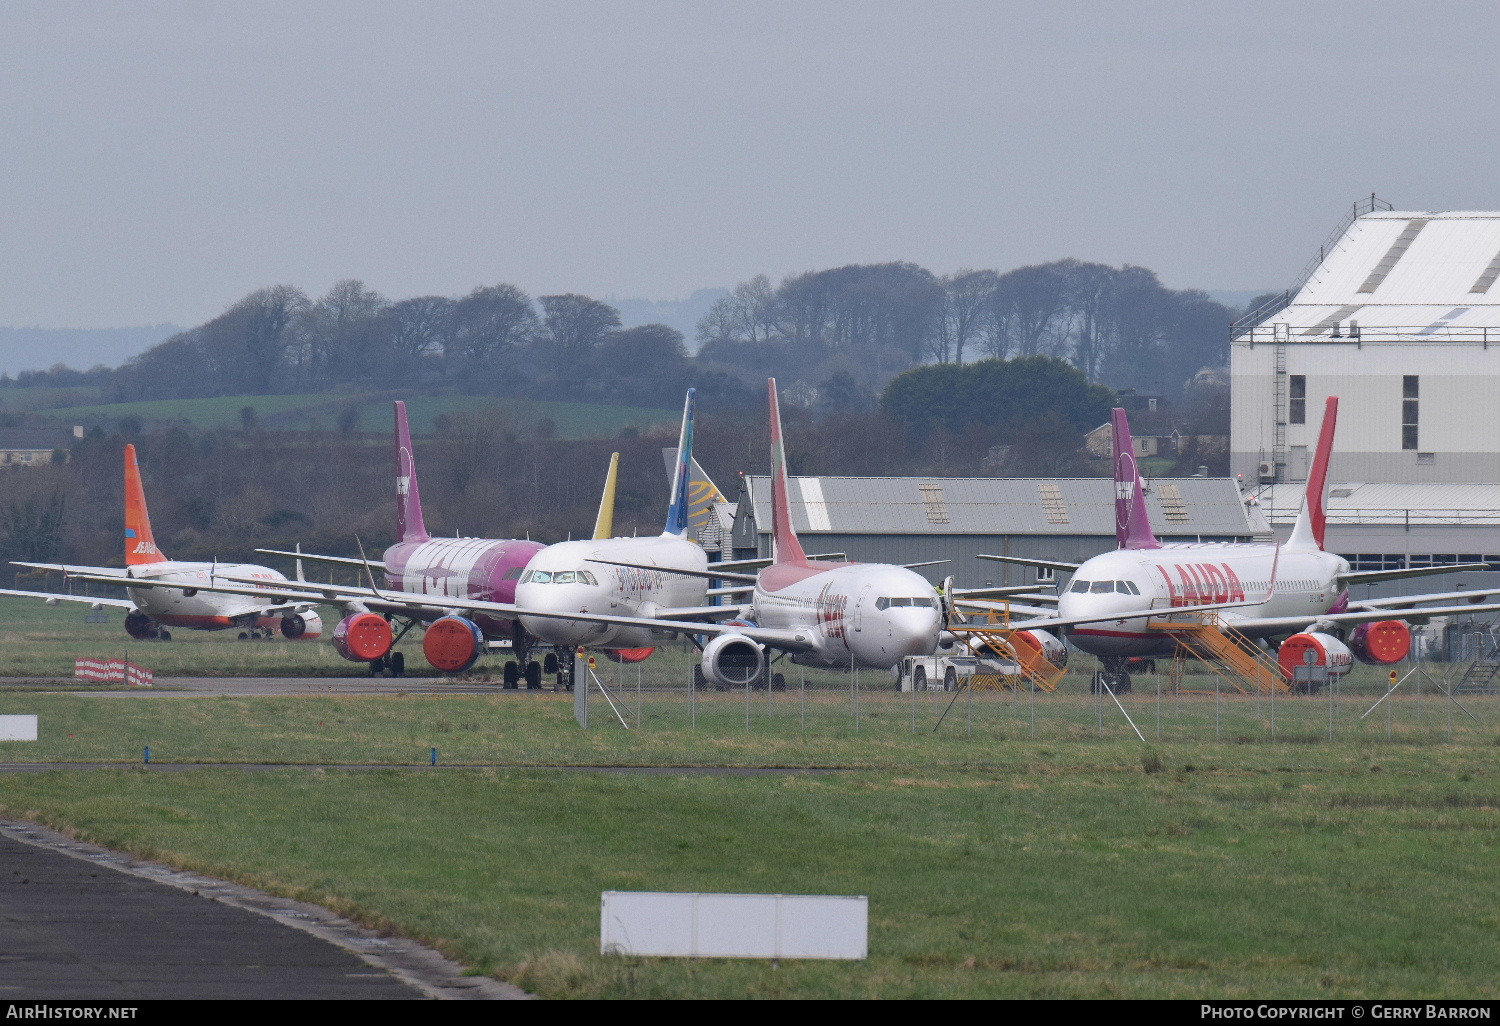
{"x": 1048, "y": 645}
{"x": 1380, "y": 643}
{"x": 362, "y": 637}
{"x": 453, "y": 643}
{"x": 732, "y": 661}
{"x": 140, "y": 626}
{"x": 295, "y": 626}
{"x": 1313, "y": 648}
{"x": 629, "y": 655}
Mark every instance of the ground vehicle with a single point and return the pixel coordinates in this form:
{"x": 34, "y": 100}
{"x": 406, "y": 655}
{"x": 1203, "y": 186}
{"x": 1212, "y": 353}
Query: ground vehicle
{"x": 946, "y": 669}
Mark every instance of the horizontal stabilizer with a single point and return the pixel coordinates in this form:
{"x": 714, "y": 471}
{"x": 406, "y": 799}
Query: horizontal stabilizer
{"x": 1376, "y": 576}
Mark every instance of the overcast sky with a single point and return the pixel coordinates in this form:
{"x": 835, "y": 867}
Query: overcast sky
{"x": 160, "y": 160}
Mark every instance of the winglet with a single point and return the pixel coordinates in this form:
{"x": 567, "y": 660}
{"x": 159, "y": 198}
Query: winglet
{"x": 1132, "y": 526}
{"x": 604, "y": 523}
{"x": 140, "y": 546}
{"x": 677, "y": 512}
{"x": 1312, "y": 521}
{"x": 409, "y": 523}
{"x": 787, "y": 548}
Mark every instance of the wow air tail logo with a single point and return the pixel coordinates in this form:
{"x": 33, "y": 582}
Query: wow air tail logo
{"x": 1202, "y": 583}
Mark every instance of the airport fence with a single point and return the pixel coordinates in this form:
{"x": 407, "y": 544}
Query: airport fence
{"x": 1426, "y": 706}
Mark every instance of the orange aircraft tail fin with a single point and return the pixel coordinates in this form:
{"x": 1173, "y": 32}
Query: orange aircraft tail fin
{"x": 140, "y": 546}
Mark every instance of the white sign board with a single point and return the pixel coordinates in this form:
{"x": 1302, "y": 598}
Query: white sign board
{"x": 17, "y": 728}
{"x": 734, "y": 925}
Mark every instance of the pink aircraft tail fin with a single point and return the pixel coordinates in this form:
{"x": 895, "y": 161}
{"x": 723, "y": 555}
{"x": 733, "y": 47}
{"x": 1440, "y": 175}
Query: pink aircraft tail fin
{"x": 1132, "y": 526}
{"x": 1312, "y": 522}
{"x": 409, "y": 523}
{"x": 788, "y": 548}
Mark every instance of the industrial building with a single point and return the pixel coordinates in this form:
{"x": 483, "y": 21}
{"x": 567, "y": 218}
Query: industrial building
{"x": 1399, "y": 316}
{"x": 915, "y": 519}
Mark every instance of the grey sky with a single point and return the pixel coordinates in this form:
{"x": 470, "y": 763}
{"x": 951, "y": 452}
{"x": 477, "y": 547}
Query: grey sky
{"x": 160, "y": 160}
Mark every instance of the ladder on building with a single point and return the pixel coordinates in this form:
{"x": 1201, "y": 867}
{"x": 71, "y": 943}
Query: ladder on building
{"x": 1206, "y": 637}
{"x": 1279, "y": 413}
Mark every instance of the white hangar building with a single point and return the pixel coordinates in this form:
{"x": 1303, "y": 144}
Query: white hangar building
{"x": 1399, "y": 316}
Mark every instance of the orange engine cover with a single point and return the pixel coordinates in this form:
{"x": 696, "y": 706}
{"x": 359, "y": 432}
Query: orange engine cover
{"x": 363, "y": 637}
{"x": 1381, "y": 643}
{"x": 452, "y": 644}
{"x": 629, "y": 655}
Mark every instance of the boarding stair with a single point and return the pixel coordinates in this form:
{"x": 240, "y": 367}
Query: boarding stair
{"x": 1479, "y": 678}
{"x": 995, "y": 639}
{"x": 1205, "y": 636}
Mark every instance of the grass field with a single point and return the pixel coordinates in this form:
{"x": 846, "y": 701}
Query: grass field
{"x": 1032, "y": 846}
{"x": 571, "y": 420}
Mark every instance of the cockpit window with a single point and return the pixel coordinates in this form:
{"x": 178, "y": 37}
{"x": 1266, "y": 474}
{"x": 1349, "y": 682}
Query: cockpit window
{"x": 1100, "y": 587}
{"x": 564, "y": 577}
{"x": 1080, "y": 588}
{"x": 1131, "y": 586}
{"x": 922, "y": 601}
{"x": 584, "y": 577}
{"x": 539, "y": 577}
{"x": 513, "y": 573}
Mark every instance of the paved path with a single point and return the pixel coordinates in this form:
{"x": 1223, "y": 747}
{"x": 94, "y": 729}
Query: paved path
{"x": 78, "y": 921}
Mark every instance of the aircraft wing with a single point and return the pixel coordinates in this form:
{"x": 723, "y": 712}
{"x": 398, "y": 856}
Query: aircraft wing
{"x": 756, "y": 564}
{"x": 52, "y": 598}
{"x": 1406, "y": 601}
{"x": 1015, "y": 589}
{"x": 1046, "y": 564}
{"x": 63, "y": 568}
{"x": 1376, "y": 576}
{"x": 1054, "y": 622}
{"x": 358, "y": 564}
{"x": 273, "y": 607}
{"x": 712, "y": 575}
{"x": 1276, "y": 624}
{"x": 707, "y": 612}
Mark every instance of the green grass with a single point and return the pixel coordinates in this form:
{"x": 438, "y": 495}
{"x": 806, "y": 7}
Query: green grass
{"x": 1057, "y": 873}
{"x": 571, "y": 420}
{"x": 1026, "y": 849}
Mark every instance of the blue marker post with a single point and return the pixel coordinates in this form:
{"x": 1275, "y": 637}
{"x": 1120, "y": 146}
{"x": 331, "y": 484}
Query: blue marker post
{"x": 148, "y": 755}
{"x": 434, "y": 756}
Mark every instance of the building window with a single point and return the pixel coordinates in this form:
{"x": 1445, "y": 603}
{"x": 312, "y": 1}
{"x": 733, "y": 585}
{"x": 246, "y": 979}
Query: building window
{"x": 1046, "y": 575}
{"x": 1409, "y": 397}
{"x": 1298, "y": 410}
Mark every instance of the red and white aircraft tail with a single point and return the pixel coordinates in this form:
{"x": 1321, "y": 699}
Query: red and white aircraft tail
{"x": 786, "y": 546}
{"x": 140, "y": 546}
{"x": 1312, "y": 520}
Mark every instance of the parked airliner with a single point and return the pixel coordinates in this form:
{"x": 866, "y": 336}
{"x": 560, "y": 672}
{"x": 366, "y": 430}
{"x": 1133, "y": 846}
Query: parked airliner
{"x": 1294, "y": 590}
{"x": 166, "y": 593}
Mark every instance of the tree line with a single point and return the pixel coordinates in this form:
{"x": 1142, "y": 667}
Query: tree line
{"x": 841, "y": 333}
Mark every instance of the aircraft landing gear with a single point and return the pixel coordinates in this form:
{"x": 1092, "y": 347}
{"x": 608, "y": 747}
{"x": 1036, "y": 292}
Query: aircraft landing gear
{"x": 1118, "y": 681}
{"x": 392, "y": 664}
{"x": 511, "y": 676}
{"x": 533, "y": 676}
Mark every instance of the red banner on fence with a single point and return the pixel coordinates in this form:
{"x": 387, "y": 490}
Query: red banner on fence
{"x": 112, "y": 671}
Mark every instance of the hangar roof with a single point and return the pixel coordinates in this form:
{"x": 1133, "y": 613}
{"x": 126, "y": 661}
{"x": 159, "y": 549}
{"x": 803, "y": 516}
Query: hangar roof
{"x": 1357, "y": 502}
{"x": 1178, "y": 507}
{"x": 1400, "y": 275}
